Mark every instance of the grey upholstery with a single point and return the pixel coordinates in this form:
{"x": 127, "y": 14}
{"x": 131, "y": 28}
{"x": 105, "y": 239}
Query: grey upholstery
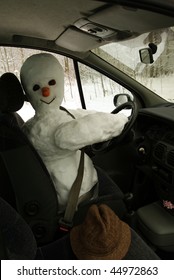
{"x": 17, "y": 240}
{"x": 157, "y": 225}
{"x": 24, "y": 180}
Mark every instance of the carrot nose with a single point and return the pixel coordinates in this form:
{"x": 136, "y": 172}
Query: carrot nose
{"x": 45, "y": 91}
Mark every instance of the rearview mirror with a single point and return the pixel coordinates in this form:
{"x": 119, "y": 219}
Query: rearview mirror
{"x": 146, "y": 54}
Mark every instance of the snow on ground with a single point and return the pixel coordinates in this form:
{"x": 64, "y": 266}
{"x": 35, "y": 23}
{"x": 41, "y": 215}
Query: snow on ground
{"x": 161, "y": 86}
{"x": 97, "y": 102}
{"x": 102, "y": 104}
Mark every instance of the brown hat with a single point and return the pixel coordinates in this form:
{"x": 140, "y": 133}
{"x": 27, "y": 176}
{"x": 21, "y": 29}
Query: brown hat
{"x": 102, "y": 236}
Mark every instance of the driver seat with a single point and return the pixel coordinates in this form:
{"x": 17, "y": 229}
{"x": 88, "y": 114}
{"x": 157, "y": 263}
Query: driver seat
{"x": 25, "y": 181}
{"x": 25, "y": 185}
{"x": 23, "y": 175}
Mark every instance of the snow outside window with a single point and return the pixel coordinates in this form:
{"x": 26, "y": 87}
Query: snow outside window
{"x": 99, "y": 90}
{"x": 11, "y": 61}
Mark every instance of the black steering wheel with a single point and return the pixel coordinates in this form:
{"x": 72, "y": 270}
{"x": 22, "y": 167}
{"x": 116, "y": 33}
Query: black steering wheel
{"x": 100, "y": 147}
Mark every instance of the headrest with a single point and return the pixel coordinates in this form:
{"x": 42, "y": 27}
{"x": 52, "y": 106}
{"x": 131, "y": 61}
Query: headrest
{"x": 11, "y": 93}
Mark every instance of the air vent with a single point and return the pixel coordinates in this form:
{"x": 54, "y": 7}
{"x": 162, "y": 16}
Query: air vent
{"x": 159, "y": 151}
{"x": 170, "y": 158}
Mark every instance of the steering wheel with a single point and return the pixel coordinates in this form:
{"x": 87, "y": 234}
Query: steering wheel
{"x": 100, "y": 147}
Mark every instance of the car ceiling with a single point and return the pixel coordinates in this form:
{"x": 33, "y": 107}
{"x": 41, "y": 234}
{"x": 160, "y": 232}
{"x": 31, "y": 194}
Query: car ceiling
{"x": 77, "y": 25}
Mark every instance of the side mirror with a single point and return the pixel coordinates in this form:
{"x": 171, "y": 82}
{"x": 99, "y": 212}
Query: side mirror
{"x": 146, "y": 54}
{"x": 121, "y": 98}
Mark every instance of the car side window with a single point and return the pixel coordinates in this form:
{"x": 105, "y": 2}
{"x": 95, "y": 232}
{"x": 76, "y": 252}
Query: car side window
{"x": 99, "y": 90}
{"x": 11, "y": 61}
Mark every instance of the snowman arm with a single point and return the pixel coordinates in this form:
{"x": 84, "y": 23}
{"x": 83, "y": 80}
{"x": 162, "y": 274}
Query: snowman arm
{"x": 79, "y": 113}
{"x": 88, "y": 130}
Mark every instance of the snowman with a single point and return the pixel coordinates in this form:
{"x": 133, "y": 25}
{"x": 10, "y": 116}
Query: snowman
{"x": 58, "y": 135}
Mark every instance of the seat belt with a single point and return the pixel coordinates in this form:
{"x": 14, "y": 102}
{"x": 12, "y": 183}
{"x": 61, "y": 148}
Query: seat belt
{"x": 66, "y": 222}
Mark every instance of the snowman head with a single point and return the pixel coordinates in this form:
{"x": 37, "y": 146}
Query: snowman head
{"x": 42, "y": 78}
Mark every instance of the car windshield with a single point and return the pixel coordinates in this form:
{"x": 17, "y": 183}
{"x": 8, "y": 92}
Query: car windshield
{"x": 157, "y": 75}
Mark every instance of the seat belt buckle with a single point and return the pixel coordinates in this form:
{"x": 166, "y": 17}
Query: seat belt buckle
{"x": 65, "y": 226}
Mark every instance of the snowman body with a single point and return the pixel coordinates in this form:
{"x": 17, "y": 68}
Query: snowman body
{"x": 62, "y": 163}
{"x": 56, "y": 135}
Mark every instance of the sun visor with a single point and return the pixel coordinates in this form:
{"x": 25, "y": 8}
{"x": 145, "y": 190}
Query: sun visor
{"x": 135, "y": 20}
{"x": 111, "y": 24}
{"x": 77, "y": 40}
{"x": 85, "y": 35}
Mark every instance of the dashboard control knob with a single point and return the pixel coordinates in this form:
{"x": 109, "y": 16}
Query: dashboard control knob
{"x": 142, "y": 151}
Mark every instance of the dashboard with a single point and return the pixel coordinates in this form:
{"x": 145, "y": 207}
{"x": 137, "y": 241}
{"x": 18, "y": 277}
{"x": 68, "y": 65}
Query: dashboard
{"x": 154, "y": 141}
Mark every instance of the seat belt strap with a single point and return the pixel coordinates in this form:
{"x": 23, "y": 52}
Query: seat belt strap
{"x": 64, "y": 109}
{"x": 66, "y": 221}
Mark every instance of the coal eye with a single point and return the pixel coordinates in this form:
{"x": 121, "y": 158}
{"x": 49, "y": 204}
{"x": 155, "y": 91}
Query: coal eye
{"x": 52, "y": 82}
{"x": 36, "y": 87}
